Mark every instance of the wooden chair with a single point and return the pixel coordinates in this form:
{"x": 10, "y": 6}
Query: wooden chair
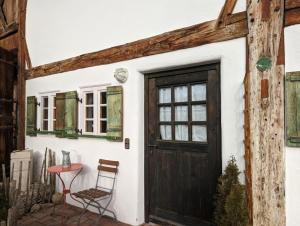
{"x": 108, "y": 170}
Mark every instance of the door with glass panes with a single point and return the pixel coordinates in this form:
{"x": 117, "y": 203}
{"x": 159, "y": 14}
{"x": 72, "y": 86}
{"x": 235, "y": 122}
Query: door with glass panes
{"x": 183, "y": 144}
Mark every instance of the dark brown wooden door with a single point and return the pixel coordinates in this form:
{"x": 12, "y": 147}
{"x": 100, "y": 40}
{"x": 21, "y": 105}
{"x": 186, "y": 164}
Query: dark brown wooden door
{"x": 183, "y": 144}
{"x": 7, "y": 106}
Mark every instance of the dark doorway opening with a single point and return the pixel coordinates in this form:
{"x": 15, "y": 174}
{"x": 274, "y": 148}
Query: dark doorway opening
{"x": 8, "y": 106}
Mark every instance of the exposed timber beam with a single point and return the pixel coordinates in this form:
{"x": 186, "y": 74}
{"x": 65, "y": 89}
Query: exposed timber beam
{"x": 290, "y": 4}
{"x": 292, "y": 16}
{"x": 192, "y": 36}
{"x": 21, "y": 87}
{"x": 225, "y": 12}
{"x": 265, "y": 90}
{"x": 200, "y": 34}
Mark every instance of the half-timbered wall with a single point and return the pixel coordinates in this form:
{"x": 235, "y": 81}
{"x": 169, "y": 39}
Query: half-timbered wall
{"x": 100, "y": 26}
{"x": 59, "y": 29}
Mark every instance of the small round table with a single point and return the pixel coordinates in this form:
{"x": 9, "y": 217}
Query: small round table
{"x": 60, "y": 169}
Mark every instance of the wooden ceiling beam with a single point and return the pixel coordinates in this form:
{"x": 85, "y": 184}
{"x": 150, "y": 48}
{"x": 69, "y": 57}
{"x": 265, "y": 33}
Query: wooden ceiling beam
{"x": 192, "y": 36}
{"x": 290, "y": 4}
{"x": 225, "y": 12}
{"x": 292, "y": 16}
{"x": 200, "y": 34}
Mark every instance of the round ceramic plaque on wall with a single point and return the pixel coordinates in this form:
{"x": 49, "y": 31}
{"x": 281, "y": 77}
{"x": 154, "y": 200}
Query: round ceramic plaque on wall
{"x": 121, "y": 75}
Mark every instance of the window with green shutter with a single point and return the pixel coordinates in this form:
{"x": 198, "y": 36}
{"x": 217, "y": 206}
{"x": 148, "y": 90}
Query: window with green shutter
{"x": 115, "y": 113}
{"x": 292, "y": 109}
{"x": 31, "y": 129}
{"x": 66, "y": 115}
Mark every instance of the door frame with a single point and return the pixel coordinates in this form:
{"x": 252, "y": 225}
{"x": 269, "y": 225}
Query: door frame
{"x": 169, "y": 72}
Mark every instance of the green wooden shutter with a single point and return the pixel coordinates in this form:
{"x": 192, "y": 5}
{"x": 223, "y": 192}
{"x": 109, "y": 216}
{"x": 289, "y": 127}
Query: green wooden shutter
{"x": 71, "y": 108}
{"x": 31, "y": 129}
{"x": 292, "y": 109}
{"x": 115, "y": 113}
{"x": 60, "y": 115}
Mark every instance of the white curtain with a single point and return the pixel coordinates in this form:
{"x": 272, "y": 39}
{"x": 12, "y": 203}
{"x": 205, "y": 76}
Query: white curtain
{"x": 199, "y": 92}
{"x": 181, "y": 94}
{"x": 199, "y": 133}
{"x": 181, "y": 132}
{"x": 165, "y": 114}
{"x": 199, "y": 112}
{"x": 165, "y": 95}
{"x": 181, "y": 113}
{"x": 166, "y": 132}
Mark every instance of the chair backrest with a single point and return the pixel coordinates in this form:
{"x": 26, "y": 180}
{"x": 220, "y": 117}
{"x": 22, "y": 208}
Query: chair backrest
{"x": 107, "y": 169}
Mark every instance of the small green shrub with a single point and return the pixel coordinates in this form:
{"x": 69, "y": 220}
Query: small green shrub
{"x": 230, "y": 200}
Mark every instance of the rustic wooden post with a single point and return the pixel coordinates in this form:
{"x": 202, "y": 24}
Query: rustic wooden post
{"x": 21, "y": 89}
{"x": 266, "y": 110}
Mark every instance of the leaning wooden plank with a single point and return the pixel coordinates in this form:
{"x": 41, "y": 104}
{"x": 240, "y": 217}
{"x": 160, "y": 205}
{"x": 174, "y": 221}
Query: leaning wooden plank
{"x": 188, "y": 37}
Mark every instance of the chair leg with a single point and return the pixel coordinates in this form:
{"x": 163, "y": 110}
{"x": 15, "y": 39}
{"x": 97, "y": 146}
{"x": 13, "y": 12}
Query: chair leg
{"x": 85, "y": 208}
{"x": 105, "y": 209}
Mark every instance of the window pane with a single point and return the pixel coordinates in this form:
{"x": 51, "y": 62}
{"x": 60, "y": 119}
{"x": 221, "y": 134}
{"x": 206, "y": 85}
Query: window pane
{"x": 166, "y": 132}
{"x": 89, "y": 112}
{"x": 45, "y": 125}
{"x": 54, "y": 113}
{"x": 103, "y": 126}
{"x": 181, "y": 113}
{"x": 54, "y": 101}
{"x": 199, "y": 112}
{"x": 199, "y": 133}
{"x": 165, "y": 95}
{"x": 45, "y": 102}
{"x": 89, "y": 98}
{"x": 45, "y": 114}
{"x": 181, "y": 132}
{"x": 199, "y": 92}
{"x": 181, "y": 94}
{"x": 165, "y": 114}
{"x": 89, "y": 126}
{"x": 103, "y": 112}
{"x": 103, "y": 97}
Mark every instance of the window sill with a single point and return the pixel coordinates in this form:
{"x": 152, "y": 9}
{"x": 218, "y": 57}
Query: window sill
{"x": 46, "y": 132}
{"x": 83, "y": 135}
{"x": 93, "y": 136}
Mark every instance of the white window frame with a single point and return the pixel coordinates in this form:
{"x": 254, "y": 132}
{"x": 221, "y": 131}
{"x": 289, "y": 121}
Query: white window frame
{"x": 51, "y": 117}
{"x": 96, "y": 90}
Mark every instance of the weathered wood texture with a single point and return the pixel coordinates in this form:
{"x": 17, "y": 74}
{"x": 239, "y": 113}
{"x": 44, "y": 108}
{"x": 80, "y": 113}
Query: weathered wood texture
{"x": 10, "y": 42}
{"x": 292, "y": 16}
{"x": 204, "y": 33}
{"x": 248, "y": 156}
{"x": 266, "y": 115}
{"x": 21, "y": 88}
{"x": 289, "y": 4}
{"x": 225, "y": 12}
{"x": 196, "y": 35}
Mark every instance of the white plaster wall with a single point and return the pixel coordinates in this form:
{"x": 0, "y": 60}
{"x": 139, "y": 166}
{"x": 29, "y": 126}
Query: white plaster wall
{"x": 58, "y": 29}
{"x": 292, "y": 60}
{"x": 129, "y": 199}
